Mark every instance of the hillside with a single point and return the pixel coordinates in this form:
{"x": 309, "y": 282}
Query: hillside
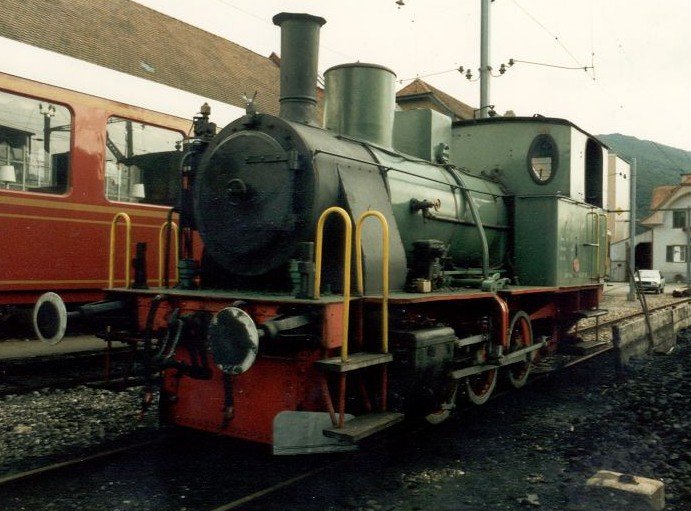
{"x": 656, "y": 165}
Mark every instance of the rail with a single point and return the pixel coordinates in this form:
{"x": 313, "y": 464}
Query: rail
{"x": 170, "y": 225}
{"x": 128, "y": 249}
{"x": 347, "y": 253}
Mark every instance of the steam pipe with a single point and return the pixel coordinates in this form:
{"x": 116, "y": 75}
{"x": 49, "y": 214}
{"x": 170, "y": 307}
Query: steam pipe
{"x": 299, "y": 55}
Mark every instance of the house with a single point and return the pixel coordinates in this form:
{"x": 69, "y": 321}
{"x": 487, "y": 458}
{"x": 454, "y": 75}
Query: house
{"x": 420, "y": 94}
{"x": 669, "y": 242}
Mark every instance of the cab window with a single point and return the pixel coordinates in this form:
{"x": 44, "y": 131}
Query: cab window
{"x": 34, "y": 144}
{"x": 142, "y": 162}
{"x": 543, "y": 159}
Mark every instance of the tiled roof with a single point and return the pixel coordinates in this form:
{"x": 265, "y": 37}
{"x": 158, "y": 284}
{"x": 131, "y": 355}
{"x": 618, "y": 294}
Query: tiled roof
{"x": 663, "y": 196}
{"x": 418, "y": 93}
{"x": 131, "y": 38}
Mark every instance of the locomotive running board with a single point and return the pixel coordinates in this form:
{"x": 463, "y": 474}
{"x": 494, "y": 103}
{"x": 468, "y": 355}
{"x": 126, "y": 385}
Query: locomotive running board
{"x": 303, "y": 433}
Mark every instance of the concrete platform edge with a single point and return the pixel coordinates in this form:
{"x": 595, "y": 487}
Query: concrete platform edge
{"x": 631, "y": 339}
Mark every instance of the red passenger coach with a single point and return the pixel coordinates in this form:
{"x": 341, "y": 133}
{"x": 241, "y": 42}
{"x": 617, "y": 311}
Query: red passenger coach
{"x": 69, "y": 163}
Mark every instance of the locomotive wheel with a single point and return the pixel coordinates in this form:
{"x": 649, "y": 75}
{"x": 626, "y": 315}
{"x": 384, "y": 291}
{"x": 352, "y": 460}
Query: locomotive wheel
{"x": 444, "y": 411}
{"x": 479, "y": 387}
{"x": 520, "y": 336}
{"x": 438, "y": 417}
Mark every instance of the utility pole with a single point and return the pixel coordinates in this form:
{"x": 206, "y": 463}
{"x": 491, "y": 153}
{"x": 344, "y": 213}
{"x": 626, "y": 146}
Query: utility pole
{"x": 484, "y": 59}
{"x": 632, "y": 230}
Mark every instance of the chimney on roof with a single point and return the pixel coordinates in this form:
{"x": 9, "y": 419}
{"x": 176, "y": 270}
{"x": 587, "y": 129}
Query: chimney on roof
{"x": 299, "y": 55}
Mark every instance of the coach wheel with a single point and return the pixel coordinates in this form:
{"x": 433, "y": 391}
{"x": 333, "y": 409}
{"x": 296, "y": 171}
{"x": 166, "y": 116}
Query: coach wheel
{"x": 520, "y": 336}
{"x": 49, "y": 318}
{"x": 479, "y": 387}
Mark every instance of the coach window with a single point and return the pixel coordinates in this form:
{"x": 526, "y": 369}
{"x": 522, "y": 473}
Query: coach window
{"x": 34, "y": 145}
{"x": 142, "y": 162}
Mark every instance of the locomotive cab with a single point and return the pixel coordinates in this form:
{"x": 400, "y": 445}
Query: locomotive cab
{"x": 556, "y": 172}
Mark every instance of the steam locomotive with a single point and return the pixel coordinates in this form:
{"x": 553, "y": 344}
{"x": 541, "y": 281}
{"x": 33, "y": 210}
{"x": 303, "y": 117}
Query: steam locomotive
{"x": 335, "y": 279}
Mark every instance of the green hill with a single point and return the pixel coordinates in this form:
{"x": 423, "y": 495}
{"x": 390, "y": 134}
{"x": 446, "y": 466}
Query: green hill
{"x": 656, "y": 165}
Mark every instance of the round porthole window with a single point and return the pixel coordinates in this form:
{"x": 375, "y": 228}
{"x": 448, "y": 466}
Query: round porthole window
{"x": 543, "y": 159}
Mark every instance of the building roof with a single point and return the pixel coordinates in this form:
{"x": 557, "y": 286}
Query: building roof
{"x": 664, "y": 196}
{"x": 130, "y": 38}
{"x": 419, "y": 93}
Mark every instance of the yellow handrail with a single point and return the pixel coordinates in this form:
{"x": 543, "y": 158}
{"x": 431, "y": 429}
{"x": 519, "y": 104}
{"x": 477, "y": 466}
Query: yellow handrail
{"x": 347, "y": 251}
{"x": 161, "y": 240}
{"x": 384, "y": 270}
{"x": 111, "y": 256}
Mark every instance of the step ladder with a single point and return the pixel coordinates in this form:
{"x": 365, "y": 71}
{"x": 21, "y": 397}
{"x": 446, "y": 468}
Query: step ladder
{"x": 369, "y": 423}
{"x": 586, "y": 346}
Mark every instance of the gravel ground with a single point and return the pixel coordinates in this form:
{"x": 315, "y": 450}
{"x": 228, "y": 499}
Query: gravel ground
{"x": 54, "y": 424}
{"x": 532, "y": 449}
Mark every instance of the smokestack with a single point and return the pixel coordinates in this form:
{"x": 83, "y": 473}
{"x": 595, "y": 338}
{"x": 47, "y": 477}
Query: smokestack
{"x": 299, "y": 53}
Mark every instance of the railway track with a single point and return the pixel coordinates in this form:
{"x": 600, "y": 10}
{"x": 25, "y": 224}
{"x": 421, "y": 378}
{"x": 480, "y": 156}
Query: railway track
{"x": 626, "y": 315}
{"x": 64, "y": 371}
{"x": 53, "y": 468}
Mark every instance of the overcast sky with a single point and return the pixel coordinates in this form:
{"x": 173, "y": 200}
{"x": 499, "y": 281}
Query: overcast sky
{"x": 640, "y": 50}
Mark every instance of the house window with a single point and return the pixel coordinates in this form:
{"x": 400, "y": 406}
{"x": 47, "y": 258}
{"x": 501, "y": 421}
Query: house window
{"x": 34, "y": 145}
{"x": 676, "y": 253}
{"x": 142, "y": 162}
{"x": 678, "y": 219}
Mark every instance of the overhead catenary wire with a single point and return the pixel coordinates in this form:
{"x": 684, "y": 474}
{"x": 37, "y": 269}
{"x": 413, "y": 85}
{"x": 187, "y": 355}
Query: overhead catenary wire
{"x": 584, "y": 68}
{"x": 548, "y": 31}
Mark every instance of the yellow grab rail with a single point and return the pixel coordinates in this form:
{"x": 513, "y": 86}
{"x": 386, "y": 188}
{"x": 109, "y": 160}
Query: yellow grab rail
{"x": 385, "y": 270}
{"x": 161, "y": 240}
{"x": 347, "y": 252}
{"x": 128, "y": 248}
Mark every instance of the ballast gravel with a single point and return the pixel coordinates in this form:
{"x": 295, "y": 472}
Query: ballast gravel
{"x": 53, "y": 425}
